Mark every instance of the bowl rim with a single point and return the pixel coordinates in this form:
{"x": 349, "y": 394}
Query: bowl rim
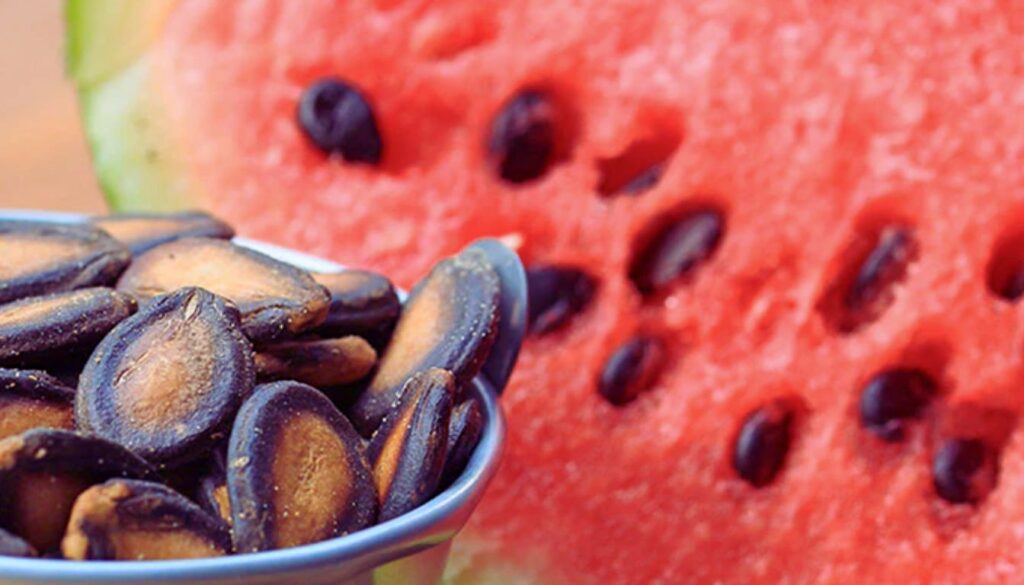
{"x": 389, "y": 535}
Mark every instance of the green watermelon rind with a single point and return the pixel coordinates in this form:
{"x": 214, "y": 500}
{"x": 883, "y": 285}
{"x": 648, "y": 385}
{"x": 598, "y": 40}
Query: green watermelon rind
{"x": 125, "y": 123}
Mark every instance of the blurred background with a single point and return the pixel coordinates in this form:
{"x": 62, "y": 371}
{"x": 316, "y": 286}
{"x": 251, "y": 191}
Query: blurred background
{"x": 43, "y": 158}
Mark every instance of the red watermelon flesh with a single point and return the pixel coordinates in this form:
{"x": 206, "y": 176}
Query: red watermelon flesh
{"x": 812, "y": 127}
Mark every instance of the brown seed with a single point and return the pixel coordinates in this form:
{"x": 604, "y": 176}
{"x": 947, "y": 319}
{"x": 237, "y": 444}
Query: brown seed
{"x": 212, "y": 492}
{"x": 964, "y": 470}
{"x": 677, "y": 250}
{"x": 521, "y": 145}
{"x": 763, "y": 442}
{"x": 39, "y": 258}
{"x": 42, "y": 471}
{"x": 870, "y": 291}
{"x": 318, "y": 362}
{"x": 132, "y": 520}
{"x": 450, "y": 322}
{"x": 13, "y": 546}
{"x": 362, "y": 303}
{"x": 48, "y": 328}
{"x": 408, "y": 450}
{"x": 297, "y": 472}
{"x": 275, "y": 299}
{"x": 630, "y": 370}
{"x": 142, "y": 231}
{"x": 167, "y": 381}
{"x": 31, "y": 399}
{"x": 464, "y": 432}
{"x": 557, "y": 294}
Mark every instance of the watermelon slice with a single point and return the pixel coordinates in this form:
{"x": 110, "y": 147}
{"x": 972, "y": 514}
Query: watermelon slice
{"x": 775, "y": 248}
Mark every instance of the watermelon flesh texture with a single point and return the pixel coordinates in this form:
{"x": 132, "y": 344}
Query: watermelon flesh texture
{"x": 811, "y": 126}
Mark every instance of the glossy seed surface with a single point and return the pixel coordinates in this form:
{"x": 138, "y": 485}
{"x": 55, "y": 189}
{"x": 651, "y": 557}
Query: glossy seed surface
{"x": 677, "y": 250}
{"x": 142, "y": 231}
{"x": 521, "y": 145}
{"x": 449, "y": 322}
{"x": 464, "y": 432}
{"x": 132, "y": 520}
{"x": 408, "y": 450}
{"x": 964, "y": 470}
{"x": 338, "y": 119}
{"x": 167, "y": 381}
{"x": 871, "y": 289}
{"x": 46, "y": 329}
{"x": 42, "y": 471}
{"x": 763, "y": 443}
{"x": 297, "y": 471}
{"x": 319, "y": 362}
{"x": 38, "y": 258}
{"x": 630, "y": 370}
{"x": 275, "y": 299}
{"x": 362, "y": 303}
{"x": 892, "y": 398}
{"x": 31, "y": 399}
{"x": 557, "y": 294}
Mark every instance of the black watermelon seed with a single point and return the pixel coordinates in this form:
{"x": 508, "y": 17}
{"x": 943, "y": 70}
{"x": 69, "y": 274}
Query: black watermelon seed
{"x": 763, "y": 442}
{"x": 557, "y": 293}
{"x": 891, "y": 398}
{"x": 630, "y": 370}
{"x": 643, "y": 181}
{"x": 677, "y": 250}
{"x": 883, "y": 267}
{"x": 964, "y": 471}
{"x": 338, "y": 120}
{"x": 522, "y": 141}
{"x": 1013, "y": 288}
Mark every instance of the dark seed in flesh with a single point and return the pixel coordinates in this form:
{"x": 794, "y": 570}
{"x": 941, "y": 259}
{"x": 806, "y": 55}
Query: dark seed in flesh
{"x": 557, "y": 294}
{"x": 964, "y": 470}
{"x": 297, "y": 471}
{"x": 47, "y": 328}
{"x": 167, "y": 381}
{"x": 40, "y": 258}
{"x": 644, "y": 181}
{"x": 630, "y": 370}
{"x": 449, "y": 322}
{"x": 321, "y": 363}
{"x": 892, "y": 398}
{"x": 31, "y": 399}
{"x": 13, "y": 546}
{"x": 142, "y": 231}
{"x": 275, "y": 299}
{"x": 1013, "y": 288}
{"x": 408, "y": 450}
{"x": 338, "y": 120}
{"x": 362, "y": 303}
{"x": 522, "y": 141}
{"x": 677, "y": 250}
{"x": 132, "y": 520}
{"x": 42, "y": 471}
{"x": 871, "y": 289}
{"x": 464, "y": 432}
{"x": 763, "y": 443}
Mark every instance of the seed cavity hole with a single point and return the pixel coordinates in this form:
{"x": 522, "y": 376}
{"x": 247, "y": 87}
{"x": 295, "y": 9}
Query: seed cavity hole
{"x": 870, "y": 270}
{"x": 640, "y": 166}
{"x": 1005, "y": 273}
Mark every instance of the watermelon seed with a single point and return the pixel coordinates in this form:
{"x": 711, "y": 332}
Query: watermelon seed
{"x": 892, "y": 397}
{"x": 521, "y": 145}
{"x": 870, "y": 292}
{"x": 557, "y": 294}
{"x": 630, "y": 370}
{"x": 677, "y": 250}
{"x": 964, "y": 471}
{"x": 338, "y": 120}
{"x": 763, "y": 442}
{"x": 1006, "y": 268}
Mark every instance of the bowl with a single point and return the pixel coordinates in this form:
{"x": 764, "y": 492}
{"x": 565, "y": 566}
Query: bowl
{"x": 409, "y": 550}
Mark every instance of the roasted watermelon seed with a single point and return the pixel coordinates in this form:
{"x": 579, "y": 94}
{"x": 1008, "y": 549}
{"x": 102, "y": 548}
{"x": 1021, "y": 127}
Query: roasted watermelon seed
{"x": 630, "y": 370}
{"x": 141, "y": 520}
{"x": 338, "y": 120}
{"x": 362, "y": 303}
{"x": 521, "y": 145}
{"x": 763, "y": 442}
{"x": 142, "y": 231}
{"x": 319, "y": 362}
{"x": 464, "y": 432}
{"x": 964, "y": 470}
{"x": 676, "y": 250}
{"x": 891, "y": 398}
{"x": 557, "y": 294}
{"x": 33, "y": 399}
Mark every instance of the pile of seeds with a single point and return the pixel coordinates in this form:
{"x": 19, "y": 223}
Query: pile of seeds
{"x": 166, "y": 393}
